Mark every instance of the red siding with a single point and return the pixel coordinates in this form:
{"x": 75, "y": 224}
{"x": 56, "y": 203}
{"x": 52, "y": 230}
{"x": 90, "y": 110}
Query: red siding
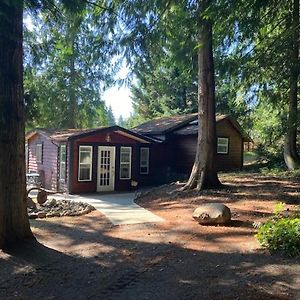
{"x": 117, "y": 140}
{"x": 48, "y": 168}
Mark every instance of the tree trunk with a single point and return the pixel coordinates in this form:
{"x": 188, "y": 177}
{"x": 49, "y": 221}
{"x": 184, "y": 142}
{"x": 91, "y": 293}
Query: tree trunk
{"x": 204, "y": 173}
{"x": 73, "y": 106}
{"x": 291, "y": 156}
{"x": 73, "y": 102}
{"x": 14, "y": 223}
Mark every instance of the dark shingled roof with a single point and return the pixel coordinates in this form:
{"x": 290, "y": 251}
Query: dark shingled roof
{"x": 180, "y": 125}
{"x": 164, "y": 124}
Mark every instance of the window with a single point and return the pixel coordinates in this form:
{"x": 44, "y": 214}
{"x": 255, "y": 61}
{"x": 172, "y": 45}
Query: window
{"x": 62, "y": 162}
{"x": 39, "y": 153}
{"x": 85, "y": 163}
{"x": 144, "y": 161}
{"x": 125, "y": 163}
{"x": 222, "y": 147}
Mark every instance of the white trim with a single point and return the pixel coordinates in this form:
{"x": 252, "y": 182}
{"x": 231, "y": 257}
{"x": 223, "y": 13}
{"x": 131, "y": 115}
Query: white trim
{"x": 147, "y": 160}
{"x": 125, "y": 163}
{"x": 111, "y": 186}
{"x": 62, "y": 162}
{"x": 39, "y": 146}
{"x": 91, "y": 163}
{"x": 222, "y": 142}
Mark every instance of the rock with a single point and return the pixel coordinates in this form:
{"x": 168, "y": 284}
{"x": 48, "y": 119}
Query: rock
{"x": 212, "y": 213}
{"x": 41, "y": 215}
{"x": 56, "y": 214}
{"x": 50, "y": 202}
{"x": 32, "y": 215}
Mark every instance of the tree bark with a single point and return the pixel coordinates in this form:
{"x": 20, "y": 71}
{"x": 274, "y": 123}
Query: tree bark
{"x": 73, "y": 105}
{"x": 14, "y": 223}
{"x": 73, "y": 101}
{"x": 291, "y": 156}
{"x": 204, "y": 173}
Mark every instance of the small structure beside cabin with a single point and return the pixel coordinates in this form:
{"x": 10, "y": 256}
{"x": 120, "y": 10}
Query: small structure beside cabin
{"x": 114, "y": 159}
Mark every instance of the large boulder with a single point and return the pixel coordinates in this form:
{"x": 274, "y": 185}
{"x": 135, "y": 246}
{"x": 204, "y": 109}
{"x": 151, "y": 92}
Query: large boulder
{"x": 212, "y": 213}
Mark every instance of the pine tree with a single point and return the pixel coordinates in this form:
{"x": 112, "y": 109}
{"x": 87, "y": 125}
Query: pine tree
{"x": 14, "y": 224}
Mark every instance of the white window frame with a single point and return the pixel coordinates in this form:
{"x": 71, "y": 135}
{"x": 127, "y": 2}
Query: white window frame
{"x": 90, "y": 163}
{"x": 62, "y": 162}
{"x": 125, "y": 163}
{"x": 39, "y": 152}
{"x": 144, "y": 163}
{"x": 223, "y": 142}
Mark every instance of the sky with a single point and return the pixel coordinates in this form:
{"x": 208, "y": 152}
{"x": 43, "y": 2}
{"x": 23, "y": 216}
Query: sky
{"x": 119, "y": 100}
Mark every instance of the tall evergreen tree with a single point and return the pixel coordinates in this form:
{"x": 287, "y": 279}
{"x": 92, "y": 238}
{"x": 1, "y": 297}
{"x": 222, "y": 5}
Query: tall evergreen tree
{"x": 291, "y": 155}
{"x": 161, "y": 21}
{"x": 204, "y": 172}
{"x": 67, "y": 68}
{"x": 14, "y": 224}
{"x": 266, "y": 55}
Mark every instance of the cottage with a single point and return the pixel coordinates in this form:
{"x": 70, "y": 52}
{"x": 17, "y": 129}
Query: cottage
{"x": 115, "y": 159}
{"x": 179, "y": 135}
{"x": 90, "y": 160}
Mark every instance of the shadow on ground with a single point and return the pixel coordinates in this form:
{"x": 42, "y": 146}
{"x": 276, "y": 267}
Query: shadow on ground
{"x": 95, "y": 264}
{"x": 88, "y": 258}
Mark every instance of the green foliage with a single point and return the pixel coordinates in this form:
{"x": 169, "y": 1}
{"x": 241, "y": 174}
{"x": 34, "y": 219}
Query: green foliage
{"x": 267, "y": 126}
{"x": 163, "y": 58}
{"x": 281, "y": 234}
{"x": 279, "y": 208}
{"x": 67, "y": 66}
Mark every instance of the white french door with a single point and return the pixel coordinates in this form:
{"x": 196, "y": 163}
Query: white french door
{"x": 106, "y": 169}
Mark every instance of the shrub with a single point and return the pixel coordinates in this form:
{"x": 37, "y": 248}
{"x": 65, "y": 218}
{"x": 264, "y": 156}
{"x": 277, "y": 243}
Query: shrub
{"x": 281, "y": 234}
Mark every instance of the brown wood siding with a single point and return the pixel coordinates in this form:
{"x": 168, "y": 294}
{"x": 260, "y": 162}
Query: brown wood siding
{"x": 48, "y": 168}
{"x": 183, "y": 148}
{"x": 116, "y": 140}
{"x": 232, "y": 160}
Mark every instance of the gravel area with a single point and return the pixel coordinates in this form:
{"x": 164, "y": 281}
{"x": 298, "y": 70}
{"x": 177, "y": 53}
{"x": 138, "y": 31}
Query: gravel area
{"x": 59, "y": 208}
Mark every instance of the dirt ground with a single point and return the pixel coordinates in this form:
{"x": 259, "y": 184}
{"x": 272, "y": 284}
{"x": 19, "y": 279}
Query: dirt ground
{"x": 88, "y": 258}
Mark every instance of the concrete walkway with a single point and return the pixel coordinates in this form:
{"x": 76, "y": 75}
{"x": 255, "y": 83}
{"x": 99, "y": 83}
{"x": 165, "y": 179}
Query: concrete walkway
{"x": 118, "y": 208}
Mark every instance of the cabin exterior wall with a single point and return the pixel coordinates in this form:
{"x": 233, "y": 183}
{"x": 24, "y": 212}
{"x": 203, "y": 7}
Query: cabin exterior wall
{"x": 47, "y": 168}
{"x": 184, "y": 148}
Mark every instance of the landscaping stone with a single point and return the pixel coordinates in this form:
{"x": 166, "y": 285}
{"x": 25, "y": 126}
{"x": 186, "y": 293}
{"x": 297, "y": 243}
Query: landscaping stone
{"x": 212, "y": 213}
{"x": 59, "y": 208}
{"x": 41, "y": 215}
{"x": 33, "y": 215}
